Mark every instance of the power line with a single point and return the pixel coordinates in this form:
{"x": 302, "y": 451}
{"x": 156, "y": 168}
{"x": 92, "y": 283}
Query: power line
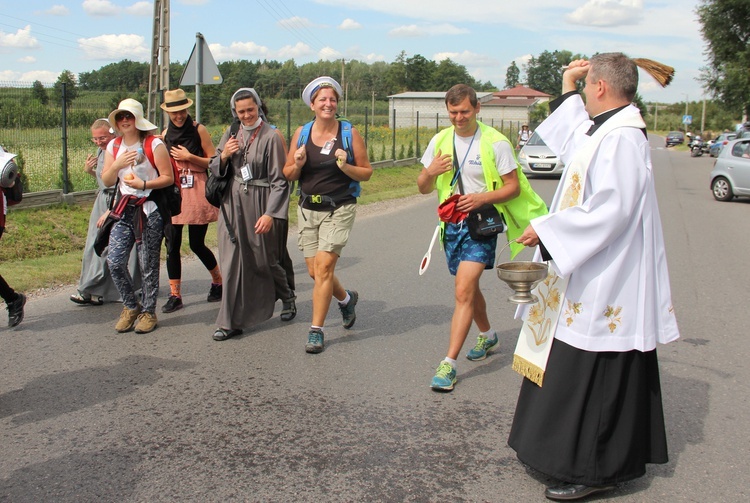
{"x": 294, "y": 27}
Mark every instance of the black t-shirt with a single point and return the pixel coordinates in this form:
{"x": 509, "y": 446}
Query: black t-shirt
{"x": 322, "y": 176}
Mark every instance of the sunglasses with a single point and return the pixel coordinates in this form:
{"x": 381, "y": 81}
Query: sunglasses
{"x": 124, "y": 115}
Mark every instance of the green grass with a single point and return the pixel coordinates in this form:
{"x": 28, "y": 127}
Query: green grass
{"x": 42, "y": 248}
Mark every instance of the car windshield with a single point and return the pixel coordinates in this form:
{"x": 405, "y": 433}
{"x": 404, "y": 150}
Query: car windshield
{"x": 675, "y": 134}
{"x": 535, "y": 140}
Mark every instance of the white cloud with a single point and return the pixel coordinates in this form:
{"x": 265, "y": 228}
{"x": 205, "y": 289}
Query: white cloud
{"x": 44, "y": 76}
{"x": 372, "y": 57}
{"x": 295, "y": 22}
{"x": 27, "y": 59}
{"x": 349, "y": 24}
{"x": 239, "y": 50}
{"x": 22, "y": 39}
{"x": 55, "y": 10}
{"x": 605, "y": 13}
{"x": 141, "y": 9}
{"x": 298, "y": 50}
{"x": 427, "y": 30}
{"x": 115, "y": 47}
{"x": 407, "y": 31}
{"x": 329, "y": 54}
{"x": 467, "y": 58}
{"x": 100, "y": 8}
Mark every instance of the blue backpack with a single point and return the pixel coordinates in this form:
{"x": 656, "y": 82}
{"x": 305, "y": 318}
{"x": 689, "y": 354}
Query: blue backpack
{"x": 346, "y": 139}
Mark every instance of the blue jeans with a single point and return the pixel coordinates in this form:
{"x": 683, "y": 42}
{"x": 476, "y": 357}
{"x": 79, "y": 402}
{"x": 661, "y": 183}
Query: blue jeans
{"x": 121, "y": 241}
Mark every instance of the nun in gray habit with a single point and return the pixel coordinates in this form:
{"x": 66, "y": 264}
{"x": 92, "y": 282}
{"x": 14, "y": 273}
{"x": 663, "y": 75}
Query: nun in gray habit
{"x": 256, "y": 203}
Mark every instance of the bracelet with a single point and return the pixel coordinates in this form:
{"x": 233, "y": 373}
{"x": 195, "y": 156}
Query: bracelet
{"x": 144, "y": 184}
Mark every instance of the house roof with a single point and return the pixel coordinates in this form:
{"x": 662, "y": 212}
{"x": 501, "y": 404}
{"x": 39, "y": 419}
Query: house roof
{"x": 505, "y": 102}
{"x": 521, "y": 91}
{"x": 429, "y": 95}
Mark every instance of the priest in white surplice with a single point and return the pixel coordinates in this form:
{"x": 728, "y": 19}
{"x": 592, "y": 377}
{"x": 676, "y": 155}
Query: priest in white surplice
{"x": 597, "y": 419}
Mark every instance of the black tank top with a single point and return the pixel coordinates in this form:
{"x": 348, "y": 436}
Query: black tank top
{"x": 322, "y": 176}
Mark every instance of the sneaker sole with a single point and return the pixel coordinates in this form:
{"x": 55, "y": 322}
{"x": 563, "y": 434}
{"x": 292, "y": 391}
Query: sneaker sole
{"x": 146, "y": 331}
{"x": 165, "y": 311}
{"x": 443, "y": 389}
{"x": 313, "y": 350}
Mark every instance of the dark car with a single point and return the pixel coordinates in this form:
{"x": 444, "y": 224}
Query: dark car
{"x": 675, "y": 138}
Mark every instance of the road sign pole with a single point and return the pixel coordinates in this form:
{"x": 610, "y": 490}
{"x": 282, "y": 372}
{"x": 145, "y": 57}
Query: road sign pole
{"x": 198, "y": 75}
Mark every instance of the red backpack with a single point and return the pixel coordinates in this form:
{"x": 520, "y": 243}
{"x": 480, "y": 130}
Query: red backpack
{"x": 172, "y": 195}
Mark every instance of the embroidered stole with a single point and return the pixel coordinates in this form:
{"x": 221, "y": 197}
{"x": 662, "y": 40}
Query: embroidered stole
{"x": 539, "y": 326}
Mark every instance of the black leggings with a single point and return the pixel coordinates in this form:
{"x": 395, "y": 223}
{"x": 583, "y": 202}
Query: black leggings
{"x": 6, "y": 292}
{"x": 197, "y": 238}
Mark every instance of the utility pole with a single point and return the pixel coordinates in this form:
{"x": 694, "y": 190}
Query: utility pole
{"x": 158, "y": 77}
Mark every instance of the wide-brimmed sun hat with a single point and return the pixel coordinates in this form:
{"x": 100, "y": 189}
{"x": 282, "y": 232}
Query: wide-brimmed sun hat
{"x": 135, "y": 108}
{"x": 316, "y": 84}
{"x": 176, "y": 100}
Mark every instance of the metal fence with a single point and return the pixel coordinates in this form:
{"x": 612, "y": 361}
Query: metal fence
{"x": 49, "y": 129}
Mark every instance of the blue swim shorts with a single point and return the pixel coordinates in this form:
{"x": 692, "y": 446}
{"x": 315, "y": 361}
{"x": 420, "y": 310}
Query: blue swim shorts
{"x": 460, "y": 247}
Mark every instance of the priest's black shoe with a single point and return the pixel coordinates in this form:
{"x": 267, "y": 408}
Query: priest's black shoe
{"x": 569, "y": 492}
{"x": 15, "y": 310}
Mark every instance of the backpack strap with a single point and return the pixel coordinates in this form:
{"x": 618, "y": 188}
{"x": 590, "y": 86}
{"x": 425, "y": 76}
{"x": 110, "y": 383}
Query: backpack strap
{"x": 304, "y": 134}
{"x": 346, "y": 137}
{"x": 148, "y": 149}
{"x": 116, "y": 146}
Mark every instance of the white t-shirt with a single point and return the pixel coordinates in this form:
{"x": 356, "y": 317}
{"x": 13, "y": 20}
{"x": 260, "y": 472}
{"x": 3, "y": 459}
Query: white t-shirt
{"x": 141, "y": 169}
{"x": 470, "y": 161}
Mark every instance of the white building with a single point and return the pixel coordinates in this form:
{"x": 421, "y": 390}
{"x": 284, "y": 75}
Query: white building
{"x": 508, "y": 108}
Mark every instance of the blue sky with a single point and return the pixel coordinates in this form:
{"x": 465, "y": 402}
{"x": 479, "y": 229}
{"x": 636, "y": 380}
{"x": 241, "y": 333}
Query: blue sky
{"x": 39, "y": 39}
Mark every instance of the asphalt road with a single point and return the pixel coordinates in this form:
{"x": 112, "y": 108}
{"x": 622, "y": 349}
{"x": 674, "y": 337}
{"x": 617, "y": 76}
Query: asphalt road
{"x": 87, "y": 414}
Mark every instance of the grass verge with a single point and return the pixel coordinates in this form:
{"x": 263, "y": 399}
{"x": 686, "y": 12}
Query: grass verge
{"x": 42, "y": 248}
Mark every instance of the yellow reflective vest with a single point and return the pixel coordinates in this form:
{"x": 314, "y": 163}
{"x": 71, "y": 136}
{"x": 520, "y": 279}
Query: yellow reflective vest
{"x": 517, "y": 212}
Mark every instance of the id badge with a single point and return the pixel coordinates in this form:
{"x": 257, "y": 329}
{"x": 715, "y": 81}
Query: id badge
{"x": 186, "y": 181}
{"x": 327, "y": 147}
{"x": 246, "y": 174}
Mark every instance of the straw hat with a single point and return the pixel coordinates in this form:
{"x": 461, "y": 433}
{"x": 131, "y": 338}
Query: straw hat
{"x": 135, "y": 108}
{"x": 316, "y": 84}
{"x": 176, "y": 100}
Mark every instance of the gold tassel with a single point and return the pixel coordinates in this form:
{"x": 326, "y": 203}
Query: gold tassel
{"x": 527, "y": 369}
{"x": 662, "y": 73}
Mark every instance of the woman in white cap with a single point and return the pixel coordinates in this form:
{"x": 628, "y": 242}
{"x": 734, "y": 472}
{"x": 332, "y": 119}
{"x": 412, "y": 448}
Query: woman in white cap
{"x": 189, "y": 144}
{"x": 255, "y": 202}
{"x": 137, "y": 163}
{"x": 95, "y": 285}
{"x": 329, "y": 161}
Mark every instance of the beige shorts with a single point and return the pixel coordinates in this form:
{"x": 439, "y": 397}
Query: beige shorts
{"x": 323, "y": 231}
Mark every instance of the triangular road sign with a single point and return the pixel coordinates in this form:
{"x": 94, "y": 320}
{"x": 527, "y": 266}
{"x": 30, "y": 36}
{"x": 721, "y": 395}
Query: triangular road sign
{"x": 201, "y": 67}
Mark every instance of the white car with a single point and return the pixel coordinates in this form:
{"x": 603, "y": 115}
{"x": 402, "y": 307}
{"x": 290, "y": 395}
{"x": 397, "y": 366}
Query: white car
{"x": 536, "y": 158}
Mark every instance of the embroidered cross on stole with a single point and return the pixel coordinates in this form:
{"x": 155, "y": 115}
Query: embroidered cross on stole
{"x": 538, "y": 331}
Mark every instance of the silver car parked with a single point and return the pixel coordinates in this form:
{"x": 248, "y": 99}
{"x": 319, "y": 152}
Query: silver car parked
{"x": 731, "y": 174}
{"x": 536, "y": 158}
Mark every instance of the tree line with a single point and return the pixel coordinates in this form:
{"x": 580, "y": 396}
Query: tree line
{"x": 726, "y": 76}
